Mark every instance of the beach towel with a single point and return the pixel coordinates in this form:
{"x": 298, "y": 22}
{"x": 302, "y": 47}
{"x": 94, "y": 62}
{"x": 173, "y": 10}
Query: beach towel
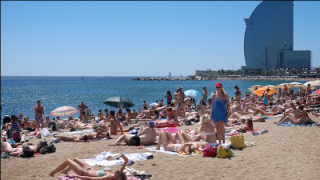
{"x": 101, "y": 159}
{"x": 169, "y": 129}
{"x": 167, "y": 152}
{"x": 303, "y": 125}
{"x": 272, "y": 117}
{"x": 248, "y": 131}
{"x": 68, "y": 177}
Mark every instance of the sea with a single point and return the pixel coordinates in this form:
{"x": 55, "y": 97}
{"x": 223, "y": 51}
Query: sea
{"x": 19, "y": 93}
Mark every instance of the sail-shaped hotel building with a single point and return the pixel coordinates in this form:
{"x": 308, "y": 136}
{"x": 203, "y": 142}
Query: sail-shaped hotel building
{"x": 268, "y": 41}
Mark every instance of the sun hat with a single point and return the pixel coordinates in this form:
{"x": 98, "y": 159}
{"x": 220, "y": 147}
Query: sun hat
{"x": 218, "y": 84}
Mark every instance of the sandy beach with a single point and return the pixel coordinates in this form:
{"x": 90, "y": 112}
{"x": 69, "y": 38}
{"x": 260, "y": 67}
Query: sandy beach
{"x": 282, "y": 153}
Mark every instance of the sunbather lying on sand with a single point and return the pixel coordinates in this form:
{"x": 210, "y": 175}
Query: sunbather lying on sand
{"x": 18, "y": 149}
{"x": 169, "y": 144}
{"x": 85, "y": 172}
{"x": 85, "y": 137}
{"x": 145, "y": 137}
{"x": 304, "y": 117}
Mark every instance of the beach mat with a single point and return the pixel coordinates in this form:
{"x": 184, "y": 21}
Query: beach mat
{"x": 167, "y": 152}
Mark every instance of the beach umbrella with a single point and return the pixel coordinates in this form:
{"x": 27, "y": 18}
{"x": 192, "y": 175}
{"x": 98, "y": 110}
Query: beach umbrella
{"x": 315, "y": 93}
{"x": 64, "y": 111}
{"x": 260, "y": 91}
{"x": 296, "y": 84}
{"x": 192, "y": 93}
{"x": 270, "y": 86}
{"x": 118, "y": 101}
{"x": 313, "y": 83}
{"x": 154, "y": 105}
{"x": 255, "y": 87}
{"x": 282, "y": 85}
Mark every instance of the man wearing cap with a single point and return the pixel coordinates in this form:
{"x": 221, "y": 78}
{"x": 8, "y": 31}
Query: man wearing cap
{"x": 145, "y": 137}
{"x": 38, "y": 111}
{"x": 180, "y": 102}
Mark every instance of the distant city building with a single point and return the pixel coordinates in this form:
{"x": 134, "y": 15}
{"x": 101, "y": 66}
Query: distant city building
{"x": 268, "y": 41}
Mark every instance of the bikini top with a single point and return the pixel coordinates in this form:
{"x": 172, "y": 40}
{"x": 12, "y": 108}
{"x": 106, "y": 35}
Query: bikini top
{"x": 101, "y": 172}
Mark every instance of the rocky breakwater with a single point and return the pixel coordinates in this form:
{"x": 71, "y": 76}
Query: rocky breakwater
{"x": 163, "y": 79}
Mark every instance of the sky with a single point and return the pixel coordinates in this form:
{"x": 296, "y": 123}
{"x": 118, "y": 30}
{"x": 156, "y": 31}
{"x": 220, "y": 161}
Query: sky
{"x": 143, "y": 38}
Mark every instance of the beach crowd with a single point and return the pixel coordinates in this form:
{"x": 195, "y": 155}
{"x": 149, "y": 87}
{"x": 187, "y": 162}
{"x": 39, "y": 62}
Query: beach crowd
{"x": 214, "y": 114}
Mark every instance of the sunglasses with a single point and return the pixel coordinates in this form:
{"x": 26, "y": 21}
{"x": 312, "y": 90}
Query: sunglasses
{"x": 218, "y": 87}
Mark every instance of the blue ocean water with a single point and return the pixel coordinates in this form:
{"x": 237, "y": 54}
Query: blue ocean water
{"x": 19, "y": 93}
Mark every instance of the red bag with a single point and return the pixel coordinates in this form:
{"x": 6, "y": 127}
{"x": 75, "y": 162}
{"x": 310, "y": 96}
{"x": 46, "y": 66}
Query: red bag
{"x": 15, "y": 136}
{"x": 209, "y": 151}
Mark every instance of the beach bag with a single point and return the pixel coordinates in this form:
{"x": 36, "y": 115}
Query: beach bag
{"x": 51, "y": 148}
{"x": 224, "y": 153}
{"x": 45, "y": 132}
{"x": 209, "y": 151}
{"x": 15, "y": 136}
{"x": 237, "y": 141}
{"x": 44, "y": 149}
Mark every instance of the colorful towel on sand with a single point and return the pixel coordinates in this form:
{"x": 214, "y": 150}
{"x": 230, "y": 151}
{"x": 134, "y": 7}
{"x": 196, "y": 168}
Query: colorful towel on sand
{"x": 169, "y": 129}
{"x": 303, "y": 125}
{"x": 68, "y": 177}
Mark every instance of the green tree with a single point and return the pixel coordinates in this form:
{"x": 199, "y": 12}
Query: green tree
{"x": 219, "y": 72}
{"x": 222, "y": 71}
{"x": 249, "y": 72}
{"x": 299, "y": 71}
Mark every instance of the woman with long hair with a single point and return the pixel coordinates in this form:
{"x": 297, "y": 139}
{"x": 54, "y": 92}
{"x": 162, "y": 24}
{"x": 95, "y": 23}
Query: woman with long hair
{"x": 220, "y": 111}
{"x": 169, "y": 97}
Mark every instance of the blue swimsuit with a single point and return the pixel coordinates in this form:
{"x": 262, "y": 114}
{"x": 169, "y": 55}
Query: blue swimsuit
{"x": 219, "y": 110}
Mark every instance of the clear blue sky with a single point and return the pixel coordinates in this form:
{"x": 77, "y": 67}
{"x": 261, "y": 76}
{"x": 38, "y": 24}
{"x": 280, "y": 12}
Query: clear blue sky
{"x": 135, "y": 38}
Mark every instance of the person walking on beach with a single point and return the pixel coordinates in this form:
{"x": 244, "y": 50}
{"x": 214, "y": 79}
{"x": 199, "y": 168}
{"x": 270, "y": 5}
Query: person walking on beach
{"x": 82, "y": 108}
{"x": 220, "y": 111}
{"x": 169, "y": 97}
{"x": 38, "y": 111}
{"x": 204, "y": 98}
{"x": 180, "y": 102}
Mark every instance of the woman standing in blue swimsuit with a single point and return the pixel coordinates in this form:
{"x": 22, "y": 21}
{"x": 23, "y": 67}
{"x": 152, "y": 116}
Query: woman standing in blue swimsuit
{"x": 220, "y": 111}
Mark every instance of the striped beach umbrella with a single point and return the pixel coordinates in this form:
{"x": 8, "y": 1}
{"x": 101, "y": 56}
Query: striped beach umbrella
{"x": 315, "y": 93}
{"x": 64, "y": 111}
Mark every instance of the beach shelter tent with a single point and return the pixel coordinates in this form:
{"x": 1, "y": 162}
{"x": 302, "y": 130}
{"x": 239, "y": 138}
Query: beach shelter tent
{"x": 254, "y": 87}
{"x": 118, "y": 101}
{"x": 260, "y": 91}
